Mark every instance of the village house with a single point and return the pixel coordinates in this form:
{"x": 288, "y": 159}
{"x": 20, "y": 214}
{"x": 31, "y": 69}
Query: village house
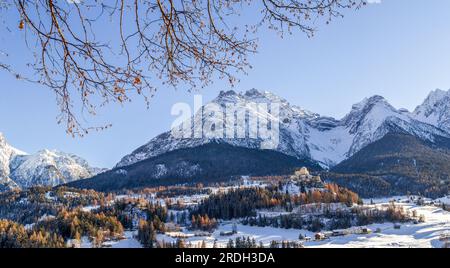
{"x": 320, "y": 236}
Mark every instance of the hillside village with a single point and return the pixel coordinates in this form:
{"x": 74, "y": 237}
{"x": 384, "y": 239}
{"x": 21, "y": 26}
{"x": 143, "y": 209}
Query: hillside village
{"x": 298, "y": 210}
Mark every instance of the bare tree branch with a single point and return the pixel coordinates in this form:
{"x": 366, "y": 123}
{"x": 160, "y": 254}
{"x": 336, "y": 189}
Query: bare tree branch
{"x": 173, "y": 42}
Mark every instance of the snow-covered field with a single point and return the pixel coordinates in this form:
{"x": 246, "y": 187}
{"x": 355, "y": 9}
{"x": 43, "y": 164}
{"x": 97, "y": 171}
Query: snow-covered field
{"x": 427, "y": 234}
{"x": 444, "y": 200}
{"x": 263, "y": 234}
{"x": 128, "y": 242}
{"x": 423, "y": 235}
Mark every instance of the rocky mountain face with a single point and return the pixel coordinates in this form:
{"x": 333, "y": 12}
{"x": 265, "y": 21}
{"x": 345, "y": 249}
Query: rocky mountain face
{"x": 7, "y": 154}
{"x": 307, "y": 135}
{"x": 292, "y": 132}
{"x": 435, "y": 110}
{"x": 49, "y": 168}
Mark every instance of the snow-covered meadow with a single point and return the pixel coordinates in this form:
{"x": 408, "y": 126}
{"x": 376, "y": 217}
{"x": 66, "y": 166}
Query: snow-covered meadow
{"x": 410, "y": 235}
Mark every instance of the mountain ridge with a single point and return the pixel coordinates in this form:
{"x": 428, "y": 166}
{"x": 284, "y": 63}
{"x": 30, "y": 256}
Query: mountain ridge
{"x": 19, "y": 170}
{"x": 305, "y": 137}
{"x": 305, "y": 134}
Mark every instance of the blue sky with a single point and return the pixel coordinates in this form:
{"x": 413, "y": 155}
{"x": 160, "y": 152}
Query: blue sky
{"x": 398, "y": 48}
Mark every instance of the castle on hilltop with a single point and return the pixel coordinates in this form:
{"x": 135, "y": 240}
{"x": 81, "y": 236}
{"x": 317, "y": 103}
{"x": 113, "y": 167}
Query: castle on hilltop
{"x": 302, "y": 175}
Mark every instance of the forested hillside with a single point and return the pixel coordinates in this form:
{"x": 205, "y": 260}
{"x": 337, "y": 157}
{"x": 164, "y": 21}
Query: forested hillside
{"x": 206, "y": 163}
{"x": 396, "y": 164}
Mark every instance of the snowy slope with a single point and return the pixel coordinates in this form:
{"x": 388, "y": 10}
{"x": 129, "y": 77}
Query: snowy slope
{"x": 435, "y": 110}
{"x": 422, "y": 235}
{"x": 50, "y": 168}
{"x": 372, "y": 118}
{"x": 20, "y": 170}
{"x": 293, "y": 128}
{"x": 7, "y": 153}
{"x": 305, "y": 134}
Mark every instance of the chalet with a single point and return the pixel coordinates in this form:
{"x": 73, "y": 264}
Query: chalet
{"x": 171, "y": 227}
{"x": 339, "y": 233}
{"x": 320, "y": 236}
{"x": 353, "y": 230}
{"x": 228, "y": 233}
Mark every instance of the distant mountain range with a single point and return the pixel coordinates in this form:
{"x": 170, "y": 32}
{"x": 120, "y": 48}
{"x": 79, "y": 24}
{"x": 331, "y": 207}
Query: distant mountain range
{"x": 348, "y": 145}
{"x": 328, "y": 141}
{"x": 20, "y": 170}
{"x": 375, "y": 150}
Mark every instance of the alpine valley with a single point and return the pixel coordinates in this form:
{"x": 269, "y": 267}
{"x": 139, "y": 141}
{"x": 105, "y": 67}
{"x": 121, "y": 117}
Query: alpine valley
{"x": 378, "y": 177}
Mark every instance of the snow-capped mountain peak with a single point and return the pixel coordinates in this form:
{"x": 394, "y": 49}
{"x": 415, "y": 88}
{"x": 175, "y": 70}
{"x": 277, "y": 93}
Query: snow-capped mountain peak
{"x": 374, "y": 117}
{"x": 375, "y": 107}
{"x": 332, "y": 141}
{"x": 252, "y": 95}
{"x": 371, "y": 101}
{"x": 292, "y": 119}
{"x": 259, "y": 96}
{"x": 433, "y": 98}
{"x": 50, "y": 167}
{"x": 435, "y": 110}
{"x": 7, "y": 153}
{"x": 307, "y": 135}
{"x": 46, "y": 167}
{"x": 6, "y": 147}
